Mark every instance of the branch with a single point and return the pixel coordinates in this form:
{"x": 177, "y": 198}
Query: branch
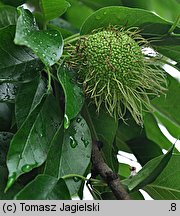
{"x": 111, "y": 178}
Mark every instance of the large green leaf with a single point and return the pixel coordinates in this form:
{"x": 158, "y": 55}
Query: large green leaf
{"x": 54, "y": 8}
{"x": 149, "y": 172}
{"x": 8, "y": 92}
{"x": 148, "y": 22}
{"x": 169, "y": 46}
{"x": 5, "y": 139}
{"x": 70, "y": 153}
{"x": 44, "y": 187}
{"x": 47, "y": 45}
{"x": 105, "y": 127}
{"x": 144, "y": 149}
{"x": 29, "y": 146}
{"x": 154, "y": 133}
{"x": 29, "y": 96}
{"x": 166, "y": 9}
{"x": 166, "y": 186}
{"x": 12, "y": 2}
{"x": 73, "y": 95}
{"x": 166, "y": 108}
{"x": 8, "y": 16}
{"x": 17, "y": 63}
{"x": 132, "y": 138}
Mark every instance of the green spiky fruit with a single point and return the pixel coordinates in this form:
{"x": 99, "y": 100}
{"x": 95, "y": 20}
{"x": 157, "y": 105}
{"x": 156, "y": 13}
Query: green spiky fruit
{"x": 115, "y": 72}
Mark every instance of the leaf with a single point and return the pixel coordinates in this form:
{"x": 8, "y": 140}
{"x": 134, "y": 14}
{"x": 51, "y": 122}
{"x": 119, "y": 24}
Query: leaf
{"x": 149, "y": 172}
{"x": 166, "y": 108}
{"x": 166, "y": 186}
{"x": 8, "y": 92}
{"x": 166, "y": 9}
{"x": 29, "y": 96}
{"x": 70, "y": 153}
{"x": 18, "y": 63}
{"x": 132, "y": 138}
{"x": 44, "y": 187}
{"x": 144, "y": 149}
{"x": 168, "y": 46}
{"x": 54, "y": 8}
{"x": 105, "y": 127}
{"x": 29, "y": 146}
{"x": 14, "y": 3}
{"x": 154, "y": 133}
{"x": 73, "y": 95}
{"x": 77, "y": 13}
{"x": 148, "y": 22}
{"x": 47, "y": 45}
{"x": 124, "y": 170}
{"x": 8, "y": 16}
{"x": 5, "y": 139}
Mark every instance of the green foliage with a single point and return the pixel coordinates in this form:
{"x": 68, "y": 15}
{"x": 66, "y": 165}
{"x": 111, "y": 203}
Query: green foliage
{"x": 47, "y": 121}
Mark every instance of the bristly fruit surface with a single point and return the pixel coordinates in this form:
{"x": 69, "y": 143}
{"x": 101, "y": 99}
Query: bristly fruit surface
{"x": 115, "y": 72}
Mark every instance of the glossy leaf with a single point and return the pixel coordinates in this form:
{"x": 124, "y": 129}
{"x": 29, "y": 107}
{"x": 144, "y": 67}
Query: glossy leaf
{"x": 18, "y": 63}
{"x": 29, "y": 146}
{"x": 148, "y": 22}
{"x": 73, "y": 95}
{"x": 54, "y": 8}
{"x": 8, "y": 92}
{"x": 8, "y": 16}
{"x": 47, "y": 45}
{"x": 70, "y": 153}
{"x": 149, "y": 172}
{"x": 166, "y": 186}
{"x": 44, "y": 187}
{"x": 105, "y": 127}
{"x": 166, "y": 108}
{"x": 5, "y": 139}
{"x": 29, "y": 96}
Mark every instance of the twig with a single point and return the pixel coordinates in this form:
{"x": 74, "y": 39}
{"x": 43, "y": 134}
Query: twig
{"x": 111, "y": 178}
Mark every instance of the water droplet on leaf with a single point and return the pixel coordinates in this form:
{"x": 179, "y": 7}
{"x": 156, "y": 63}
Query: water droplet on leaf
{"x": 98, "y": 17}
{"x": 27, "y": 168}
{"x": 66, "y": 121}
{"x": 86, "y": 142}
{"x": 73, "y": 142}
{"x": 78, "y": 120}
